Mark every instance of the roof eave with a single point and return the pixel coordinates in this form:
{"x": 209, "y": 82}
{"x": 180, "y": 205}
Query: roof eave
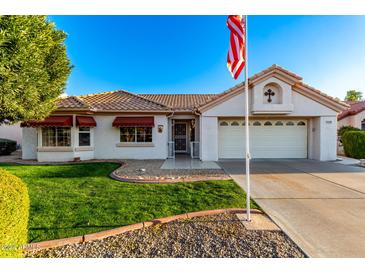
{"x": 221, "y": 98}
{"x": 320, "y": 97}
{"x": 92, "y": 111}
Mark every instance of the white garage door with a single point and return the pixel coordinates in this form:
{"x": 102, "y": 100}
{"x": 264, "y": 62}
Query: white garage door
{"x": 269, "y": 139}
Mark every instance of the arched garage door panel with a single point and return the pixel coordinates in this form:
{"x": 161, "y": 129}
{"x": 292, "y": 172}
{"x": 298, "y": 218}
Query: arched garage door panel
{"x": 269, "y": 139}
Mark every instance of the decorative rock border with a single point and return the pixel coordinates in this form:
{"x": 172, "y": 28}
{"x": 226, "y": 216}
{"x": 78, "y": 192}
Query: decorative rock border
{"x": 196, "y": 178}
{"x": 163, "y": 180}
{"x": 123, "y": 229}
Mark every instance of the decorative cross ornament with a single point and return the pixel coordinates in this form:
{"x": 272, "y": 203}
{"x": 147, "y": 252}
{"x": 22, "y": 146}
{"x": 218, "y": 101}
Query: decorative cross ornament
{"x": 269, "y": 93}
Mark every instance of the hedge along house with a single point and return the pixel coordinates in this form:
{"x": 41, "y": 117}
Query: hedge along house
{"x": 288, "y": 119}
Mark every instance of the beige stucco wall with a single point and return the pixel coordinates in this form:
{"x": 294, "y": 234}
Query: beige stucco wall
{"x": 322, "y": 128}
{"x": 30, "y": 142}
{"x": 209, "y": 138}
{"x": 323, "y": 134}
{"x": 353, "y": 120}
{"x": 107, "y": 137}
{"x": 104, "y": 144}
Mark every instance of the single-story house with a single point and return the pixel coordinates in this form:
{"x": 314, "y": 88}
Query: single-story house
{"x": 354, "y": 116}
{"x": 288, "y": 119}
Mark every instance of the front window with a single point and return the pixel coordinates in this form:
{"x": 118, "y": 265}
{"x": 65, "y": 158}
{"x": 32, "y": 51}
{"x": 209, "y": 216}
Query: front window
{"x": 56, "y": 137}
{"x": 136, "y": 134}
{"x": 84, "y": 136}
{"x": 363, "y": 125}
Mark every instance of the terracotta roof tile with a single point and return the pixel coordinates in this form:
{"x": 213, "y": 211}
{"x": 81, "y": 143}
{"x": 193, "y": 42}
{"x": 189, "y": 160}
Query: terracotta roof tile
{"x": 71, "y": 102}
{"x": 267, "y": 71}
{"x": 355, "y": 108}
{"x": 180, "y": 101}
{"x": 252, "y": 78}
{"x": 272, "y": 68}
{"x": 120, "y": 100}
{"x": 324, "y": 94}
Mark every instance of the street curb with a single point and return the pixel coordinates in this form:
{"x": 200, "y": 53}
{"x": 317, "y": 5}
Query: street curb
{"x": 124, "y": 229}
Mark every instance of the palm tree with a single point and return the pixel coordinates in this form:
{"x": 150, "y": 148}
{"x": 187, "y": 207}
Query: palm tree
{"x": 353, "y": 95}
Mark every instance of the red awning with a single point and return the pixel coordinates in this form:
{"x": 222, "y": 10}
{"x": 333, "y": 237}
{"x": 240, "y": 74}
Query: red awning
{"x": 85, "y": 121}
{"x": 134, "y": 122}
{"x": 52, "y": 121}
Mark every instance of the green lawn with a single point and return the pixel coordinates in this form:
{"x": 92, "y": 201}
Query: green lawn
{"x": 75, "y": 199}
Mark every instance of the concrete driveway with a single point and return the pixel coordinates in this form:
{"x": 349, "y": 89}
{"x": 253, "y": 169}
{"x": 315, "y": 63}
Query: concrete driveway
{"x": 320, "y": 205}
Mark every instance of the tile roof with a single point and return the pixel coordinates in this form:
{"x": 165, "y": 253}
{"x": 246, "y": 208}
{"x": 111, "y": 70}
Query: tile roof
{"x": 268, "y": 71}
{"x": 301, "y": 83}
{"x": 180, "y": 101}
{"x": 273, "y": 68}
{"x": 254, "y": 77}
{"x": 71, "y": 102}
{"x": 119, "y": 100}
{"x": 355, "y": 108}
{"x": 337, "y": 100}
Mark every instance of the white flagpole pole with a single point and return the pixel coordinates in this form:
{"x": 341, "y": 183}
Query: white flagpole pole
{"x": 248, "y": 156}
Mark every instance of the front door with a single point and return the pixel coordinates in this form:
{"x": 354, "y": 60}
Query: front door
{"x": 180, "y": 137}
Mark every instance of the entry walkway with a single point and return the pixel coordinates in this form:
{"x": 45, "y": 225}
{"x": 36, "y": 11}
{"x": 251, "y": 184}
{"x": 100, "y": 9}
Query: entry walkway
{"x": 186, "y": 162}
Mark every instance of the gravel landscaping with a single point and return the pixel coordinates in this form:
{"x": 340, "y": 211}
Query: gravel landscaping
{"x": 212, "y": 236}
{"x": 150, "y": 170}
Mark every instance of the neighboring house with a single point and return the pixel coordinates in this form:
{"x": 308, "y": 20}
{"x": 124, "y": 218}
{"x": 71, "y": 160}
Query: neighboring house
{"x": 288, "y": 119}
{"x": 354, "y": 116}
{"x": 12, "y": 132}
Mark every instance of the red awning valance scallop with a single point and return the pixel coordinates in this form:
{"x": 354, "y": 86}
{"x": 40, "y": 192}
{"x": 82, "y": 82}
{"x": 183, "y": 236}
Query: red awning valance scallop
{"x": 52, "y": 121}
{"x": 85, "y": 121}
{"x": 134, "y": 122}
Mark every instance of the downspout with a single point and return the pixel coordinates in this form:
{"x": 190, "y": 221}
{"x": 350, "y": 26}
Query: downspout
{"x": 169, "y": 116}
{"x": 169, "y": 132}
{"x": 198, "y": 113}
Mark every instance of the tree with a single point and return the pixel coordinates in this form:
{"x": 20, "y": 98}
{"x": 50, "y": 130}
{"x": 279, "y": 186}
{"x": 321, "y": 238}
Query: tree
{"x": 34, "y": 67}
{"x": 353, "y": 95}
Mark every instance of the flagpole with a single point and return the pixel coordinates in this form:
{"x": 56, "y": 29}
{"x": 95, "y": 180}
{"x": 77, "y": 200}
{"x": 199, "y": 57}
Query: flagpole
{"x": 248, "y": 156}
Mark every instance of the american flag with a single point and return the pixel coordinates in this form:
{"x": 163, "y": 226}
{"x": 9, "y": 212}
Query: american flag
{"x": 236, "y": 53}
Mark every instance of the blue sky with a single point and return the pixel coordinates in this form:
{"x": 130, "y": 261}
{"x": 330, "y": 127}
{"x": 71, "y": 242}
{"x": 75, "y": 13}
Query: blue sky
{"x": 187, "y": 54}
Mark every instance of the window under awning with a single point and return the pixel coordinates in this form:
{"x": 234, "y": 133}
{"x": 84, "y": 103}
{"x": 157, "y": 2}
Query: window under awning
{"x": 85, "y": 121}
{"x": 52, "y": 121}
{"x": 134, "y": 122}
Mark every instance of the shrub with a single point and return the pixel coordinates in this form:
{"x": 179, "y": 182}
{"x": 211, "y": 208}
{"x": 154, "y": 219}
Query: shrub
{"x": 14, "y": 208}
{"x": 344, "y": 129}
{"x": 7, "y": 146}
{"x": 354, "y": 144}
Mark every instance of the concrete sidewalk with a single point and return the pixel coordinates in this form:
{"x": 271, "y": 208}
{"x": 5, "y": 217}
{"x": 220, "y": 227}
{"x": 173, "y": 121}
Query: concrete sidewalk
{"x": 16, "y": 155}
{"x": 320, "y": 205}
{"x": 347, "y": 161}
